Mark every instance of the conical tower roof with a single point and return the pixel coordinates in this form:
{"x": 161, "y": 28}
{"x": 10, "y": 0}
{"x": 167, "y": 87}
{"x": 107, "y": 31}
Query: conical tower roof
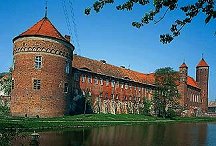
{"x": 183, "y": 65}
{"x": 43, "y": 28}
{"x": 202, "y": 63}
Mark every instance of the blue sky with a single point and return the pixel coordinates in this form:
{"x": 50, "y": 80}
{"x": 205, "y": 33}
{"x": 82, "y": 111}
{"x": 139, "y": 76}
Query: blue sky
{"x": 109, "y": 35}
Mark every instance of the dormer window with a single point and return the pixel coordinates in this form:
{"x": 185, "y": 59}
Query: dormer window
{"x": 38, "y": 62}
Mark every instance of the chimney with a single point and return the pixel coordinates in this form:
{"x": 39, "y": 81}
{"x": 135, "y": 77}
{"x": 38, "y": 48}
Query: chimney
{"x": 67, "y": 37}
{"x": 103, "y": 61}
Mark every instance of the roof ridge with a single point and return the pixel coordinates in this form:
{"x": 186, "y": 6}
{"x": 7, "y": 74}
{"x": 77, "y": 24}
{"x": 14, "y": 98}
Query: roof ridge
{"x": 113, "y": 65}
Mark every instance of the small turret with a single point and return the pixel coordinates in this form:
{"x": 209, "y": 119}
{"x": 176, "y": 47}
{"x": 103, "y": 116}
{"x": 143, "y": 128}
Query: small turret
{"x": 183, "y": 69}
{"x": 183, "y": 74}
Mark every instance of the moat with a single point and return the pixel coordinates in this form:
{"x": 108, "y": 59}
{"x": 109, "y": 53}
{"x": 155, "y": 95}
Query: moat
{"x": 175, "y": 134}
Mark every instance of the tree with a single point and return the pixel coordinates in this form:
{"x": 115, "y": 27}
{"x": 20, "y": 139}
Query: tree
{"x": 166, "y": 94}
{"x": 6, "y": 83}
{"x": 147, "y": 107}
{"x": 87, "y": 100}
{"x": 163, "y": 6}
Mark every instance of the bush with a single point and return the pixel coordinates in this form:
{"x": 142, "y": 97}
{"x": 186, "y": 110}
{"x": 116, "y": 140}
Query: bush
{"x": 4, "y": 110}
{"x": 171, "y": 113}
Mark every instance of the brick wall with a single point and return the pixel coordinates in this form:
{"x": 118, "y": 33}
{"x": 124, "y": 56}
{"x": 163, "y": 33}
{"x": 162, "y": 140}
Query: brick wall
{"x": 50, "y": 100}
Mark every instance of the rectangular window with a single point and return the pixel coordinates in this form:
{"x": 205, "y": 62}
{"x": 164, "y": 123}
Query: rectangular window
{"x": 112, "y": 83}
{"x": 101, "y": 82}
{"x": 126, "y": 86}
{"x": 139, "y": 89}
{"x": 65, "y": 87}
{"x": 38, "y": 62}
{"x": 13, "y": 66}
{"x": 37, "y": 84}
{"x": 12, "y": 84}
{"x": 107, "y": 82}
{"x": 122, "y": 85}
{"x": 67, "y": 67}
{"x": 83, "y": 78}
{"x": 89, "y": 79}
{"x": 76, "y": 77}
{"x": 106, "y": 96}
{"x": 96, "y": 81}
{"x": 117, "y": 84}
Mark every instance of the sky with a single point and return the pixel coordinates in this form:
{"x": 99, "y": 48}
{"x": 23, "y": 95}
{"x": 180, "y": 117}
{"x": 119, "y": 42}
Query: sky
{"x": 109, "y": 35}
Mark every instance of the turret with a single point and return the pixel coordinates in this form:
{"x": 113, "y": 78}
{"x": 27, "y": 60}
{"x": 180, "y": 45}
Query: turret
{"x": 202, "y": 75}
{"x": 183, "y": 74}
{"x": 42, "y": 74}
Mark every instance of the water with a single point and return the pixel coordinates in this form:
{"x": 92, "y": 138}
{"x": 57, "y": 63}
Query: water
{"x": 179, "y": 134}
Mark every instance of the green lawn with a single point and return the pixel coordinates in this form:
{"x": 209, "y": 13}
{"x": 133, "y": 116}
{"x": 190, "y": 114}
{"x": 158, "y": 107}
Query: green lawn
{"x": 89, "y": 120}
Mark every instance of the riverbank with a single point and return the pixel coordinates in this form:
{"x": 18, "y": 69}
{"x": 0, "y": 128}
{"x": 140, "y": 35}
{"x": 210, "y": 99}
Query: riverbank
{"x": 89, "y": 120}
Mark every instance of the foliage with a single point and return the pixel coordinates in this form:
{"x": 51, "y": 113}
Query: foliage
{"x": 166, "y": 94}
{"x": 87, "y": 101}
{"x": 147, "y": 105}
{"x": 5, "y": 83}
{"x": 163, "y": 6}
{"x": 4, "y": 110}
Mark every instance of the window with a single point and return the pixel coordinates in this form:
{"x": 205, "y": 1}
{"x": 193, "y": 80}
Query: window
{"x": 112, "y": 83}
{"x": 13, "y": 66}
{"x": 67, "y": 66}
{"x": 126, "y": 86}
{"x": 106, "y": 96}
{"x": 76, "y": 77}
{"x": 89, "y": 79}
{"x": 112, "y": 96}
{"x": 37, "y": 84}
{"x": 139, "y": 89}
{"x": 117, "y": 84}
{"x": 12, "y": 84}
{"x": 96, "y": 81}
{"x": 117, "y": 97}
{"x": 107, "y": 82}
{"x": 122, "y": 85}
{"x": 101, "y": 82}
{"x": 83, "y": 78}
{"x": 38, "y": 62}
{"x": 65, "y": 87}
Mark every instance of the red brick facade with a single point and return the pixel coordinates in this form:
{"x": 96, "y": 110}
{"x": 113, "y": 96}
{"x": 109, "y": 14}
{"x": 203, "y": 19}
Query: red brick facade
{"x": 50, "y": 81}
{"x": 50, "y": 99}
{"x": 120, "y": 90}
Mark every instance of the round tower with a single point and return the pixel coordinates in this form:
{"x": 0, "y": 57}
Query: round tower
{"x": 202, "y": 75}
{"x": 41, "y": 79}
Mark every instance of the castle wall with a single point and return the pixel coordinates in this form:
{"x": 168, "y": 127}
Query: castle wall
{"x": 111, "y": 95}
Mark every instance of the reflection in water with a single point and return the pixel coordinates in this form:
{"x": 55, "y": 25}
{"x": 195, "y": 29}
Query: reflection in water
{"x": 196, "y": 134}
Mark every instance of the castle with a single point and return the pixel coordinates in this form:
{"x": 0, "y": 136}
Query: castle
{"x": 48, "y": 80}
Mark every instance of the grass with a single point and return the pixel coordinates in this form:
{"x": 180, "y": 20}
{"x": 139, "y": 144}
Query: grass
{"x": 89, "y": 120}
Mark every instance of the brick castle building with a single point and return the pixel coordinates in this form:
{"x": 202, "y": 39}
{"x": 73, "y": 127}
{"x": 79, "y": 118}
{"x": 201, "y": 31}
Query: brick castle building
{"x": 48, "y": 80}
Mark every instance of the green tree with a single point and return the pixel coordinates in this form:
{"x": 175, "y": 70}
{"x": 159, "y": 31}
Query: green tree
{"x": 6, "y": 83}
{"x": 191, "y": 9}
{"x": 87, "y": 100}
{"x": 166, "y": 94}
{"x": 147, "y": 107}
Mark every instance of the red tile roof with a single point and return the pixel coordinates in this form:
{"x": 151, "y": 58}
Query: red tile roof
{"x": 192, "y": 82}
{"x": 202, "y": 63}
{"x": 183, "y": 65}
{"x": 43, "y": 28}
{"x": 99, "y": 67}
